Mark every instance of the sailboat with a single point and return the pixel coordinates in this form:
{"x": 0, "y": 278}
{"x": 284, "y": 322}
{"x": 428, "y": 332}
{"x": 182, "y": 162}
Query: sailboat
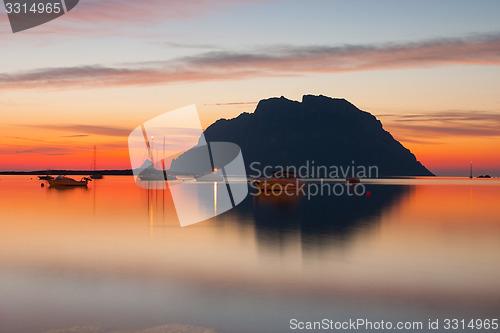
{"x": 95, "y": 174}
{"x": 148, "y": 171}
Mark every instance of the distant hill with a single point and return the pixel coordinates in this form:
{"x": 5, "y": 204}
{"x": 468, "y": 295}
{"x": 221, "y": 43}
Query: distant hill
{"x": 69, "y": 172}
{"x": 328, "y": 131}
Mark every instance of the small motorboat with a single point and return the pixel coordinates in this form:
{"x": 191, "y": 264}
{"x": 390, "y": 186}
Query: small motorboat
{"x": 353, "y": 180}
{"x": 47, "y": 177}
{"x": 278, "y": 181}
{"x": 61, "y": 181}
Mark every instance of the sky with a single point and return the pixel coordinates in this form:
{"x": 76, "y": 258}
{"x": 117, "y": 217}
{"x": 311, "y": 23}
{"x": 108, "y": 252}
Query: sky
{"x": 429, "y": 70}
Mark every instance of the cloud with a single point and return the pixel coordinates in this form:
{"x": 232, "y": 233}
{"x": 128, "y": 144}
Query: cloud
{"x": 176, "y": 328}
{"x": 11, "y": 150}
{"x": 88, "y": 129}
{"x": 146, "y": 10}
{"x": 75, "y": 136}
{"x": 234, "y": 103}
{"x": 26, "y": 139}
{"x": 97, "y": 18}
{"x": 447, "y": 123}
{"x": 112, "y": 17}
{"x": 273, "y": 61}
{"x": 190, "y": 45}
{"x": 55, "y": 148}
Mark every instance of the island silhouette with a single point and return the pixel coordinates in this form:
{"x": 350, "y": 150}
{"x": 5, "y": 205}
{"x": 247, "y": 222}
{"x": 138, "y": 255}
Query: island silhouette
{"x": 319, "y": 130}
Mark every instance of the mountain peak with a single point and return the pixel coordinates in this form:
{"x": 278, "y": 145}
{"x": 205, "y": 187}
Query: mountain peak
{"x": 328, "y": 131}
{"x": 276, "y": 105}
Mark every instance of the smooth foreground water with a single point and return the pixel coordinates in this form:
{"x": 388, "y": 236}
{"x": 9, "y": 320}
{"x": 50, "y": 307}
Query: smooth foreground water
{"x": 113, "y": 258}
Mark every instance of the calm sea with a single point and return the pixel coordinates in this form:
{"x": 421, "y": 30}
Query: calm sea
{"x": 113, "y": 258}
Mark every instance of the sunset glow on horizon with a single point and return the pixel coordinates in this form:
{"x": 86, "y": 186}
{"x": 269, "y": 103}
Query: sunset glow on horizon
{"x": 90, "y": 77}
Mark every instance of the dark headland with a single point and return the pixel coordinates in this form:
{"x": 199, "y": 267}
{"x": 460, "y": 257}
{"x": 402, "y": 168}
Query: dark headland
{"x": 328, "y": 131}
{"x": 127, "y": 172}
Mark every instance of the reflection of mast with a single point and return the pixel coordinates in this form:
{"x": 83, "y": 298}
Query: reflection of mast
{"x": 470, "y": 176}
{"x": 215, "y": 198}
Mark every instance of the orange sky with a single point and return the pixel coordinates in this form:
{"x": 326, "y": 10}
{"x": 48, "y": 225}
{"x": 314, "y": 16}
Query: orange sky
{"x": 72, "y": 148}
{"x": 90, "y": 78}
{"x": 444, "y": 142}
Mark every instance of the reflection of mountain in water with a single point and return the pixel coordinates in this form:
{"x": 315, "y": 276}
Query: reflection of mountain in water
{"x": 323, "y": 220}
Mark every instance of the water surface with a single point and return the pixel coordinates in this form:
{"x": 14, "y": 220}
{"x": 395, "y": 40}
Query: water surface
{"x": 114, "y": 258}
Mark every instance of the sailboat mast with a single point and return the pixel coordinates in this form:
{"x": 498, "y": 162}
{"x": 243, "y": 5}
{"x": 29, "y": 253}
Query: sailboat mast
{"x": 150, "y": 154}
{"x": 163, "y": 161}
{"x": 95, "y": 156}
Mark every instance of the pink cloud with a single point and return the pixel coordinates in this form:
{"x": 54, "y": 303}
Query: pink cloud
{"x": 274, "y": 61}
{"x": 145, "y": 11}
{"x": 107, "y": 17}
{"x": 426, "y": 128}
